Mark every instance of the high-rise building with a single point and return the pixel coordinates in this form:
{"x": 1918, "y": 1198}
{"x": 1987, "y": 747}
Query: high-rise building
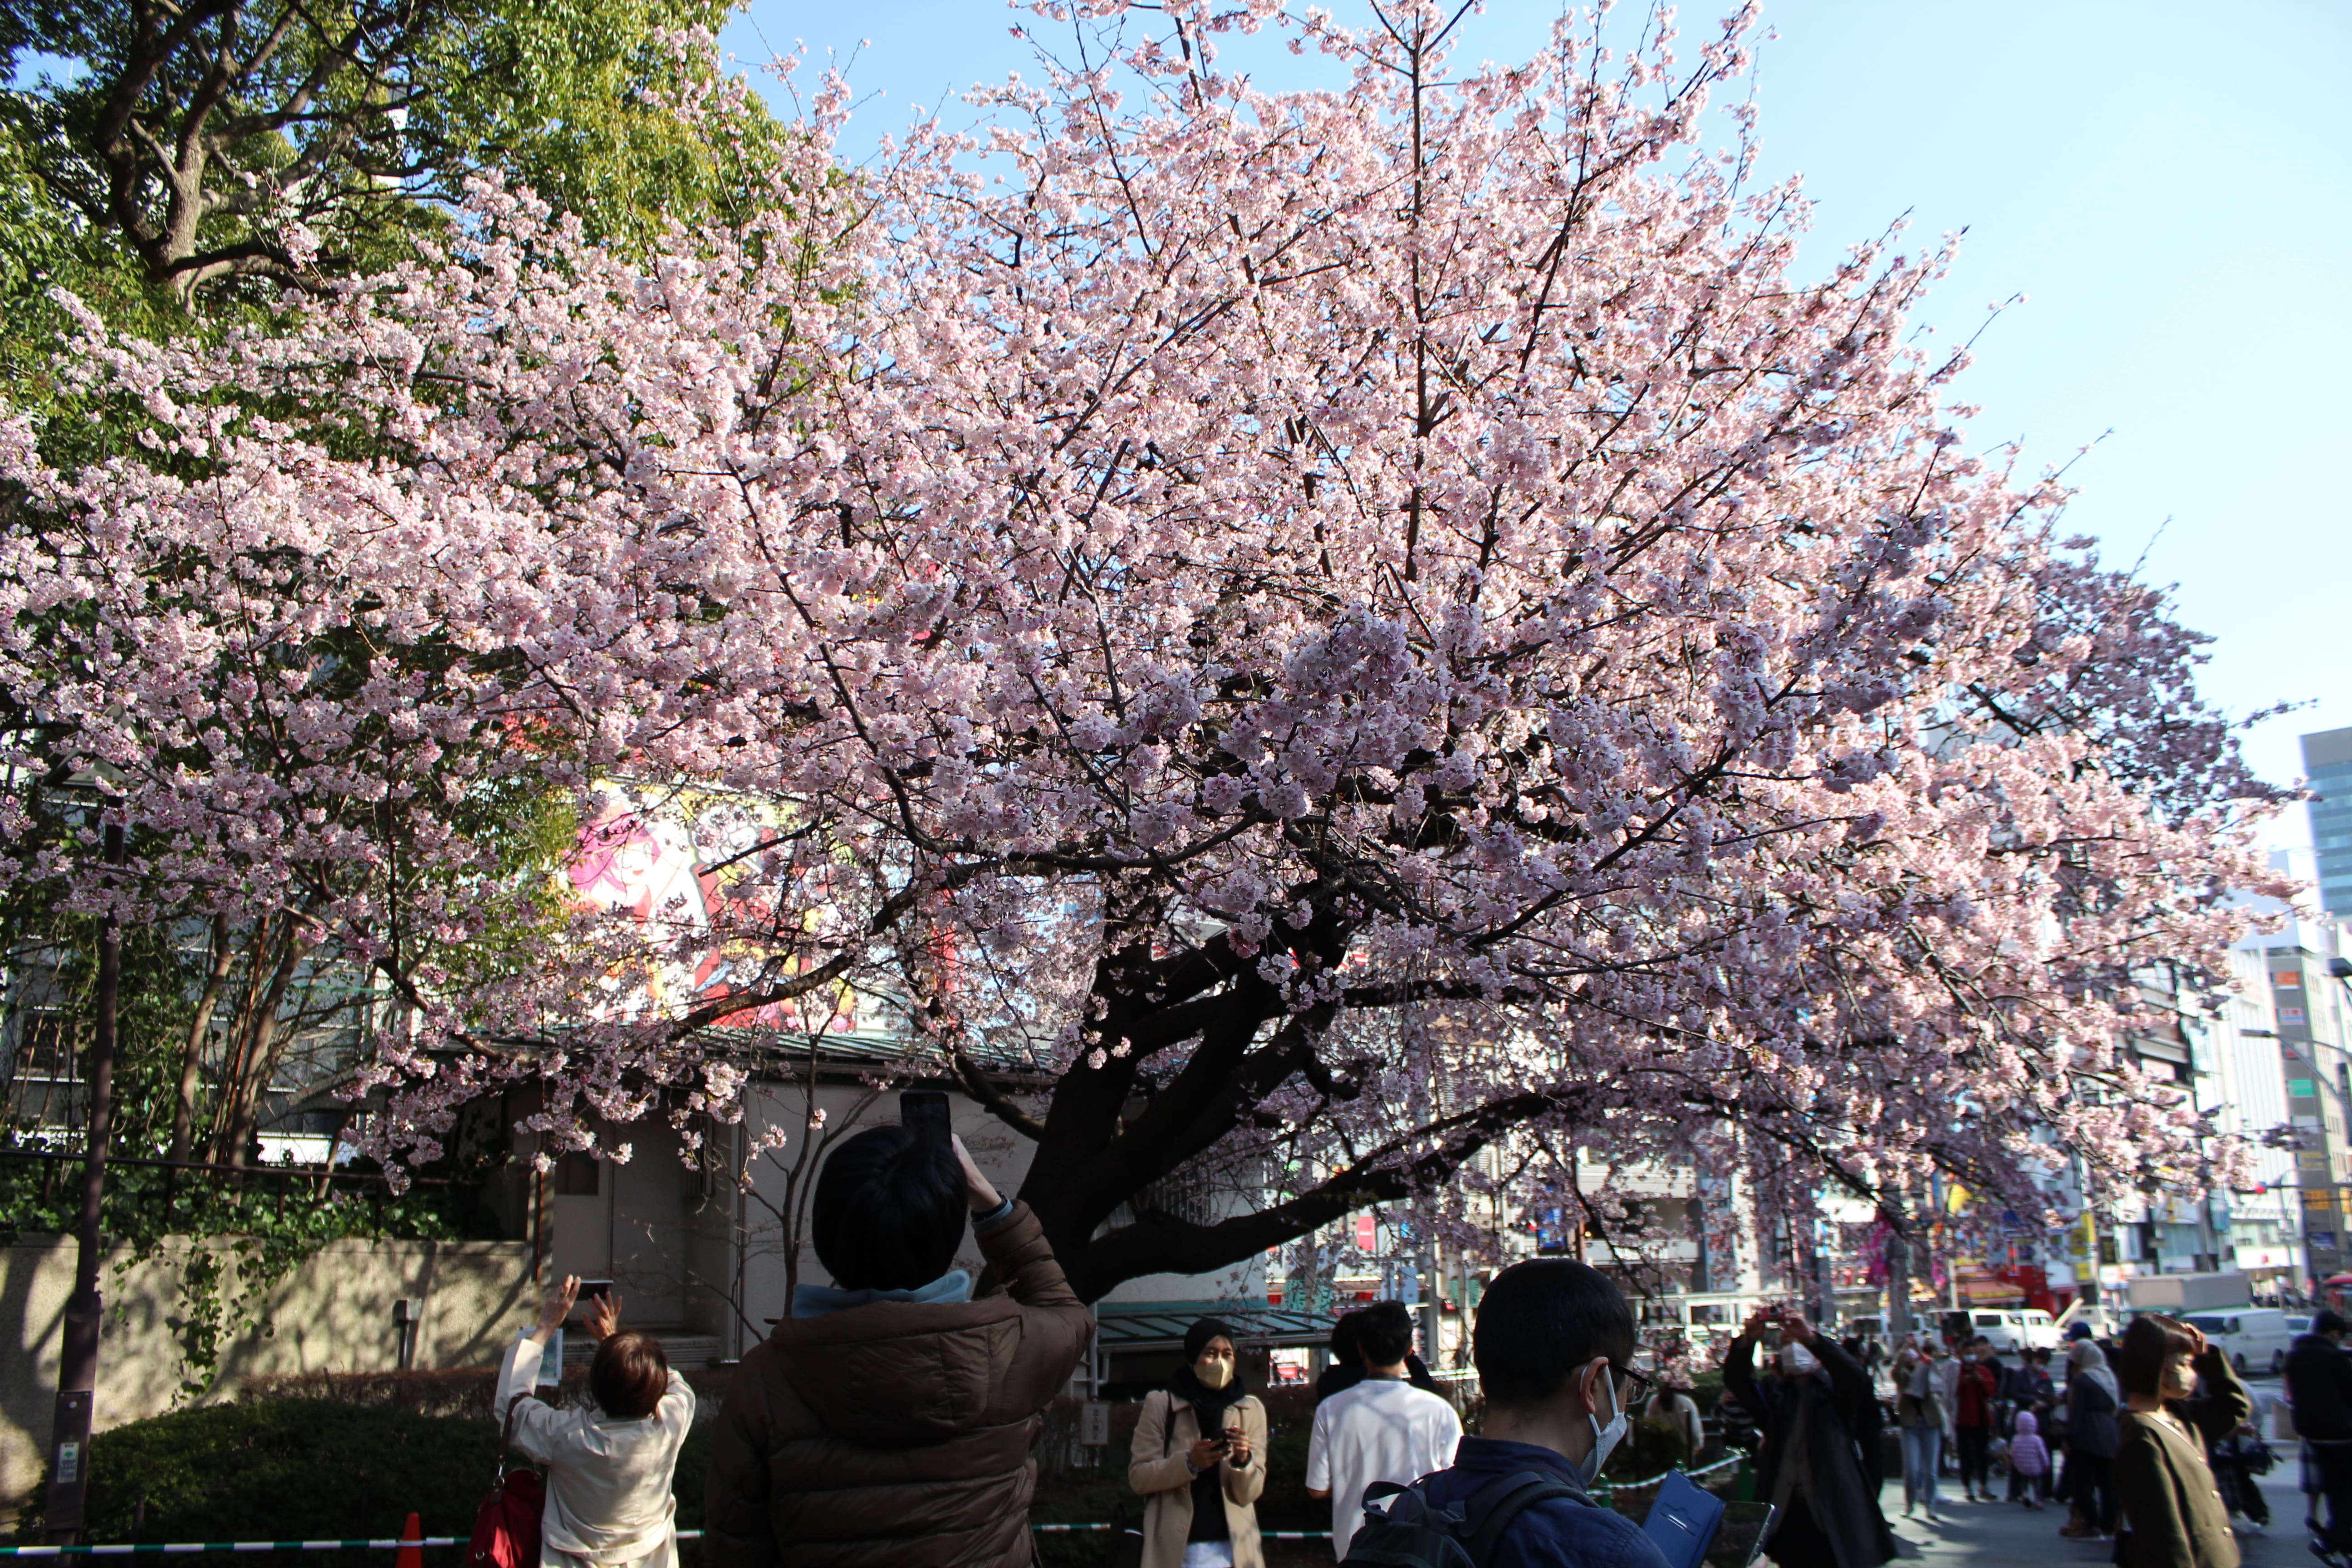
{"x": 2327, "y": 760}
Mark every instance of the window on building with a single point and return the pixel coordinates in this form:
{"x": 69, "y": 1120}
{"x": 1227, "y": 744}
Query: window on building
{"x": 577, "y": 1175}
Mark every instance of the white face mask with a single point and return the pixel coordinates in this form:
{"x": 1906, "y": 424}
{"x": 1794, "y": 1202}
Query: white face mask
{"x": 1604, "y": 1438}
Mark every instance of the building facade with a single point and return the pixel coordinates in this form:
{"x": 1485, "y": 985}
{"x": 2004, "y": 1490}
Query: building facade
{"x": 2327, "y": 762}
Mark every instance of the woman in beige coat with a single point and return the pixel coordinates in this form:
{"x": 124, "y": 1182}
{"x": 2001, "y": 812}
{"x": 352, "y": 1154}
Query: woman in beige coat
{"x": 1198, "y": 1458}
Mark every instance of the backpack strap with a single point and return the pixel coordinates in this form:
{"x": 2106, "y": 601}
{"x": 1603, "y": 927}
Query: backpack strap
{"x": 1498, "y": 1504}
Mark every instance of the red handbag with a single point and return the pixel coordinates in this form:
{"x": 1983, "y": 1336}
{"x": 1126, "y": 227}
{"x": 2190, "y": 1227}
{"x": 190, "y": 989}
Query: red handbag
{"x": 506, "y": 1527}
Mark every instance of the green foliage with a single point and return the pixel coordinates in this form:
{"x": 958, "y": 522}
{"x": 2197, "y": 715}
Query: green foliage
{"x": 285, "y": 1469}
{"x": 303, "y": 140}
{"x": 264, "y": 1225}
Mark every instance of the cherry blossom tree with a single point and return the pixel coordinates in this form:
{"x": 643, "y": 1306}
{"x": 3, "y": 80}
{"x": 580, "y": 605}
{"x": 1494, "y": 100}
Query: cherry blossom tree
{"x": 1311, "y": 634}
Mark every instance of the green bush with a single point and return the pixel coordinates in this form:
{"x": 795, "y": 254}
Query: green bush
{"x": 290, "y": 1469}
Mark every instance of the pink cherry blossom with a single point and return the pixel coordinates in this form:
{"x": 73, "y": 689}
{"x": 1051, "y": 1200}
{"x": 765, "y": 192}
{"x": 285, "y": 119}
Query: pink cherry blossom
{"x": 1307, "y": 636}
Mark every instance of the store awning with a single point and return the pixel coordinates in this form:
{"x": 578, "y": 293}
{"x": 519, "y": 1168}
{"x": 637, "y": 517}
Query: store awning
{"x": 1124, "y": 1326}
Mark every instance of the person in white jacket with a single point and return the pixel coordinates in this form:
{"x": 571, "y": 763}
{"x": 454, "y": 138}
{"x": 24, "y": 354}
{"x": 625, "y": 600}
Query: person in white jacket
{"x": 609, "y": 1470}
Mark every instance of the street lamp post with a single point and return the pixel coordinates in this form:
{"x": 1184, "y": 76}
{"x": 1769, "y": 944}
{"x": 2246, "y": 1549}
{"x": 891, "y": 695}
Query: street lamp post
{"x": 78, "y": 1356}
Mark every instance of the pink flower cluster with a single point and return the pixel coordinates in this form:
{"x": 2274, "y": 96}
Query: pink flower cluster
{"x": 1379, "y": 620}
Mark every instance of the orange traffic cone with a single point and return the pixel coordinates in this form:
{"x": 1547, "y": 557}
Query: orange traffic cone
{"x": 412, "y": 1549}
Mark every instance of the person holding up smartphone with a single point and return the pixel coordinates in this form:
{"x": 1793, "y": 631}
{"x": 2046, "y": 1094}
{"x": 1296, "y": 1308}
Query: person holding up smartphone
{"x": 1196, "y": 1459}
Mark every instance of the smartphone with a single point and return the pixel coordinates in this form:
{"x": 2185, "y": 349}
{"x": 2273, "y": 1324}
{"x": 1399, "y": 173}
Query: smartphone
{"x": 925, "y": 1111}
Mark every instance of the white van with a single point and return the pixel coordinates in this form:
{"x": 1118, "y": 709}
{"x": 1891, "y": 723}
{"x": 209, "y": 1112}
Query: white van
{"x": 2253, "y": 1337}
{"x": 2013, "y": 1331}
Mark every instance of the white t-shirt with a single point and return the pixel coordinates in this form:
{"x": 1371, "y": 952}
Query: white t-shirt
{"x": 1383, "y": 1430}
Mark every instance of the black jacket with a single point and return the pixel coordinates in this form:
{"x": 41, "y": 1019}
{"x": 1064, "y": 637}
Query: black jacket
{"x": 1337, "y": 1378}
{"x": 1842, "y": 1500}
{"x": 2091, "y": 1416}
{"x": 2319, "y": 1384}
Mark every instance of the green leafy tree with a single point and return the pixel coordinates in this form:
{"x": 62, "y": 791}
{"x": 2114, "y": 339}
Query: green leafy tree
{"x": 220, "y": 143}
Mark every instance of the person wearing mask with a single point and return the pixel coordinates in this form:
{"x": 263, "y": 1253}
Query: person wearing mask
{"x": 2094, "y": 1432}
{"x": 1919, "y": 1413}
{"x": 1382, "y": 1429}
{"x": 1197, "y": 1458}
{"x": 2172, "y": 1512}
{"x": 2319, "y": 1387}
{"x": 1554, "y": 1348}
{"x": 1974, "y": 1389}
{"x": 1672, "y": 1403}
{"x": 608, "y": 1503}
{"x": 2028, "y": 1462}
{"x": 890, "y": 1416}
{"x": 2034, "y": 1385}
{"x": 1347, "y": 1368}
{"x": 1808, "y": 1466}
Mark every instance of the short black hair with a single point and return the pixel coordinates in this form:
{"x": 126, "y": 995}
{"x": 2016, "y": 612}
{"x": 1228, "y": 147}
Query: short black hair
{"x": 2149, "y": 1343}
{"x": 1344, "y": 1349}
{"x": 1538, "y": 1321}
{"x": 1384, "y": 1333}
{"x": 889, "y": 1210}
{"x": 2328, "y": 1322}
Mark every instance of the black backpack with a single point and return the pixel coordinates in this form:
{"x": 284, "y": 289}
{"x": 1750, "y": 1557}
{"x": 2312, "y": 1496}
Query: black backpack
{"x": 1413, "y": 1534}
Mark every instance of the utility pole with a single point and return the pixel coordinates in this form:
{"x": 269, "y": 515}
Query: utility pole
{"x": 1898, "y": 1273}
{"x": 78, "y": 1356}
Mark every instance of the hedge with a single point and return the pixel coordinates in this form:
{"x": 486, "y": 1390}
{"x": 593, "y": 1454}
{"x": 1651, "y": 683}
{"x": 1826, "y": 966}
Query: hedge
{"x": 284, "y": 1470}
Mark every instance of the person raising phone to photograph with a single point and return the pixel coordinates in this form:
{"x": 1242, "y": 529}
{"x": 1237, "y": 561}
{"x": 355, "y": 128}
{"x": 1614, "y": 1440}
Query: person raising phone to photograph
{"x": 609, "y": 1465}
{"x": 1196, "y": 1458}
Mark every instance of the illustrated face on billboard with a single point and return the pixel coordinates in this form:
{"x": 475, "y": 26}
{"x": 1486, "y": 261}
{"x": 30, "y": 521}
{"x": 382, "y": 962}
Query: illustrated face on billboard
{"x": 626, "y": 863}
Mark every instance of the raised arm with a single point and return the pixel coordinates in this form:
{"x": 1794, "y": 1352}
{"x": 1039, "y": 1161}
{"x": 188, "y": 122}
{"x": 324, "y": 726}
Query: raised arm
{"x": 523, "y": 1420}
{"x": 2217, "y": 1412}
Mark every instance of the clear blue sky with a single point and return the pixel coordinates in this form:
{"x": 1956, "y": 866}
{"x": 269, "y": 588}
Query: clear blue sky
{"x": 2170, "y": 184}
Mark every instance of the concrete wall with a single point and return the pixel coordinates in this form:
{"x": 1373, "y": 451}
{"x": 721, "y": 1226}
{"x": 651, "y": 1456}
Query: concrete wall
{"x": 333, "y": 1313}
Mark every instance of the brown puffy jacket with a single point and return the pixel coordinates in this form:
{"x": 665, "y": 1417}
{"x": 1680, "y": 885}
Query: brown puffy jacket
{"x": 899, "y": 1432}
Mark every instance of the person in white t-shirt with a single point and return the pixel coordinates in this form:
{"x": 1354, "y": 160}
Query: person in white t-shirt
{"x": 1382, "y": 1429}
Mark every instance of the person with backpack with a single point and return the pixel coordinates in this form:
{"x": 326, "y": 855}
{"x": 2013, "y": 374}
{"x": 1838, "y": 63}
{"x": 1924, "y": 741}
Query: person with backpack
{"x": 1381, "y": 1429}
{"x": 1554, "y": 1348}
{"x": 1808, "y": 1466}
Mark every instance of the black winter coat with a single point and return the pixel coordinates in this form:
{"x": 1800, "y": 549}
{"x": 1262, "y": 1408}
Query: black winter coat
{"x": 1841, "y": 1500}
{"x": 2320, "y": 1383}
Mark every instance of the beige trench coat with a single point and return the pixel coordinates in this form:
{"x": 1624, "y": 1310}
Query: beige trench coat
{"x": 1157, "y": 1469}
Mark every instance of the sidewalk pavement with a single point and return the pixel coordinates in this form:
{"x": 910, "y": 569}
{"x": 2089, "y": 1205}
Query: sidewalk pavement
{"x": 1999, "y": 1534}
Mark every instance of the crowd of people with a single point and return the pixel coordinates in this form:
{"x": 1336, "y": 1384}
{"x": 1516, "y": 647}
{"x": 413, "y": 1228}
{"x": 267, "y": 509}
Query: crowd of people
{"x": 891, "y": 1416}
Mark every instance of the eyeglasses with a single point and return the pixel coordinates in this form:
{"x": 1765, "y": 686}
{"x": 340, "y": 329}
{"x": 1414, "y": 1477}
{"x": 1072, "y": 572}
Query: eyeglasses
{"x": 1632, "y": 1387}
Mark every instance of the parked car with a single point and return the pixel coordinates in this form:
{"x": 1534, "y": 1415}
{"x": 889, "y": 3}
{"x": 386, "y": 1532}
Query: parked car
{"x": 2016, "y": 1330}
{"x": 2251, "y": 1336}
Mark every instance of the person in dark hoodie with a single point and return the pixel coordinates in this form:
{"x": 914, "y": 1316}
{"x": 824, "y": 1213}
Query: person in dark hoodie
{"x": 891, "y": 1417}
{"x": 2319, "y": 1386}
{"x": 1808, "y": 1466}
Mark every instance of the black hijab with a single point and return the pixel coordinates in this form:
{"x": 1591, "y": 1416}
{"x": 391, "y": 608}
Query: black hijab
{"x": 1210, "y": 1403}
